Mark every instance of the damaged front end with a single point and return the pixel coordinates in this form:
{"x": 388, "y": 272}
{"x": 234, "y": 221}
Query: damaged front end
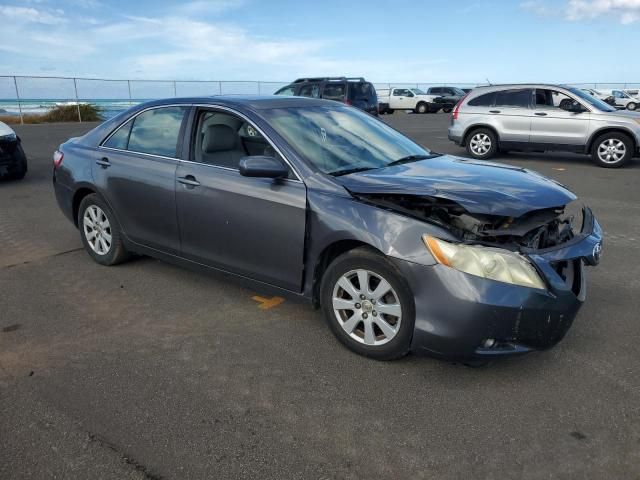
{"x": 535, "y": 230}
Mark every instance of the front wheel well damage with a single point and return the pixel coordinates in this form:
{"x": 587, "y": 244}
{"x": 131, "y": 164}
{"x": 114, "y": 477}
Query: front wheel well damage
{"x": 328, "y": 255}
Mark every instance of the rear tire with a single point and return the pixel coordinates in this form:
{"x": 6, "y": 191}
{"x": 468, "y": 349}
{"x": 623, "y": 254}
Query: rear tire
{"x": 379, "y": 324}
{"x": 390, "y": 111}
{"x": 632, "y": 106}
{"x": 447, "y": 110}
{"x": 100, "y": 232}
{"x": 482, "y": 143}
{"x": 612, "y": 150}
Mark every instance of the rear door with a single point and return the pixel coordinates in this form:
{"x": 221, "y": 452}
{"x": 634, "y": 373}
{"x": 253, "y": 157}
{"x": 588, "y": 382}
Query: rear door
{"x": 512, "y": 114}
{"x": 362, "y": 95}
{"x": 552, "y": 125}
{"x": 254, "y": 227}
{"x": 136, "y": 175}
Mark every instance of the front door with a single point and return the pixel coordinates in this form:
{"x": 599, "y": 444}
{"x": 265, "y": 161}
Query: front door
{"x": 254, "y": 227}
{"x": 134, "y": 170}
{"x": 554, "y": 125}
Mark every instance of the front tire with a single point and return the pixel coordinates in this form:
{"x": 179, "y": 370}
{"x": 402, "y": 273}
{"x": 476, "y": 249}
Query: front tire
{"x": 612, "y": 150}
{"x": 422, "y": 108}
{"x": 482, "y": 144}
{"x": 368, "y": 304}
{"x": 100, "y": 232}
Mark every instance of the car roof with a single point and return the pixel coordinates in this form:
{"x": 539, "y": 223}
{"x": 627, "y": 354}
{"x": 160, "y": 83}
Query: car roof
{"x": 256, "y": 102}
{"x": 523, "y": 85}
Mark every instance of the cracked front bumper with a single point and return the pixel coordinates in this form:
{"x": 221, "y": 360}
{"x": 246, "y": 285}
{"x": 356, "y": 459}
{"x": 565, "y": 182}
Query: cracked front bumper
{"x": 456, "y": 313}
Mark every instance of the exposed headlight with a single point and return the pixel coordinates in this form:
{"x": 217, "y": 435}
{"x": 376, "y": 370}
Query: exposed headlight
{"x": 493, "y": 263}
{"x": 8, "y": 138}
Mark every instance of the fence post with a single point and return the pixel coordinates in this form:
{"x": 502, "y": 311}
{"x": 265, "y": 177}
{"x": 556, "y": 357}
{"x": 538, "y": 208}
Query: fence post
{"x": 15, "y": 83}
{"x": 75, "y": 88}
{"x": 220, "y": 88}
{"x": 129, "y": 87}
{"x": 175, "y": 92}
{"x": 259, "y": 93}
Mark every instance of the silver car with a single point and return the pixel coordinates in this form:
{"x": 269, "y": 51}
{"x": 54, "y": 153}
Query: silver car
{"x": 539, "y": 117}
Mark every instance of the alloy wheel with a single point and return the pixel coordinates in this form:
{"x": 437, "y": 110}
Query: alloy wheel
{"x": 480, "y": 144}
{"x": 612, "y": 150}
{"x": 367, "y": 307}
{"x": 97, "y": 230}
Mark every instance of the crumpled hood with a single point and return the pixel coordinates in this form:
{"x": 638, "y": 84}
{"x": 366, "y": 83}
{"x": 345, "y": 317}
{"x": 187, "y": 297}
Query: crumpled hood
{"x": 479, "y": 187}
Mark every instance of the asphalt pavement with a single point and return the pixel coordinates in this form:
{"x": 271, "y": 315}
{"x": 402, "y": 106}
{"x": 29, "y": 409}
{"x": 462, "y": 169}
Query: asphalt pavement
{"x": 147, "y": 370}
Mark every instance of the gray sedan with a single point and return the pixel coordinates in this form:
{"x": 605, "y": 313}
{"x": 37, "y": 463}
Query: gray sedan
{"x": 403, "y": 248}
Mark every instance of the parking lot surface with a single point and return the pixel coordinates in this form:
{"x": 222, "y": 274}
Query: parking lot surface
{"x": 147, "y": 370}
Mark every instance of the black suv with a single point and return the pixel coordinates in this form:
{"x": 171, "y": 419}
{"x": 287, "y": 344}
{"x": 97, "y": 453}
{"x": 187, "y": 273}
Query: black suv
{"x": 352, "y": 91}
{"x": 448, "y": 96}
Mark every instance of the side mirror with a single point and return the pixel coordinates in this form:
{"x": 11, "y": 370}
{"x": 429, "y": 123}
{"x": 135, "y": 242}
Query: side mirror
{"x": 572, "y": 106}
{"x": 262, "y": 166}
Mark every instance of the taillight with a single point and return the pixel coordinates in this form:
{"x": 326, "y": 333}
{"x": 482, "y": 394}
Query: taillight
{"x": 456, "y": 109}
{"x": 347, "y": 101}
{"x": 58, "y": 156}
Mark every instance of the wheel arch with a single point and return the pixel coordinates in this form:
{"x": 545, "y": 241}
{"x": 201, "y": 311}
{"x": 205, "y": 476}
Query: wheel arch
{"x": 605, "y": 130}
{"x": 328, "y": 255}
{"x": 475, "y": 127}
{"x": 78, "y": 196}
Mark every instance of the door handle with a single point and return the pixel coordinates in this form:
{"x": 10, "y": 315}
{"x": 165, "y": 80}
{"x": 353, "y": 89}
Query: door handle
{"x": 189, "y": 181}
{"x": 104, "y": 162}
{"x": 494, "y": 111}
{"x": 541, "y": 114}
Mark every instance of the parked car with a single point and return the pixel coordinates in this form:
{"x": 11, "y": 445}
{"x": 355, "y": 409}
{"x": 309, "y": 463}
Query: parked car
{"x": 466, "y": 90}
{"x": 401, "y": 247}
{"x": 541, "y": 117}
{"x": 632, "y": 92}
{"x": 13, "y": 161}
{"x": 624, "y": 100}
{"x": 412, "y": 99}
{"x": 607, "y": 98}
{"x": 447, "y": 96}
{"x": 352, "y": 91}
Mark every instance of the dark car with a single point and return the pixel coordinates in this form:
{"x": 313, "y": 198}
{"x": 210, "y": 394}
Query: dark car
{"x": 448, "y": 96}
{"x": 352, "y": 91}
{"x": 13, "y": 161}
{"x": 403, "y": 248}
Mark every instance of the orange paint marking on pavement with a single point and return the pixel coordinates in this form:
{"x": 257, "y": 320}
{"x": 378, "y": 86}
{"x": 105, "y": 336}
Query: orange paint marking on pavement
{"x": 267, "y": 303}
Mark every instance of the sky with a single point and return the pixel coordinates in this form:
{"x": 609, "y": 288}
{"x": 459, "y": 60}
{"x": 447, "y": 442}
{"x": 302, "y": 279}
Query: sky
{"x": 432, "y": 41}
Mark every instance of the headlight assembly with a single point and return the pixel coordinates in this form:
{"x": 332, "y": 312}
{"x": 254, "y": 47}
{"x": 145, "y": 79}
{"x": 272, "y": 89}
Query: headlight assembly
{"x": 8, "y": 138}
{"x": 492, "y": 263}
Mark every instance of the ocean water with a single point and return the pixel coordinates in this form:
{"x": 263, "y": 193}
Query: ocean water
{"x": 109, "y": 108}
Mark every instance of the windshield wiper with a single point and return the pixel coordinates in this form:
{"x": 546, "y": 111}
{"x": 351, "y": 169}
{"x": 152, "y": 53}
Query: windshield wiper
{"x": 347, "y": 171}
{"x": 411, "y": 158}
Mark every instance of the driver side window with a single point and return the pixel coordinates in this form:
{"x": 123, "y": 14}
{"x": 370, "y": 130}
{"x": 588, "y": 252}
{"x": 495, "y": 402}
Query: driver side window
{"x": 221, "y": 139}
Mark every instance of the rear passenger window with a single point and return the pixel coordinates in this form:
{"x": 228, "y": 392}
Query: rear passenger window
{"x": 486, "y": 100}
{"x": 334, "y": 91}
{"x": 156, "y": 131}
{"x": 312, "y": 90}
{"x": 120, "y": 139}
{"x": 519, "y": 98}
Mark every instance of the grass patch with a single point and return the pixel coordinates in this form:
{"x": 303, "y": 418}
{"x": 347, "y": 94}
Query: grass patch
{"x": 59, "y": 113}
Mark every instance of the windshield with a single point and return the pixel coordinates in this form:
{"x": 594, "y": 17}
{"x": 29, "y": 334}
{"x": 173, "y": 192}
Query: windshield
{"x": 593, "y": 101}
{"x": 339, "y": 139}
{"x": 417, "y": 91}
{"x": 458, "y": 91}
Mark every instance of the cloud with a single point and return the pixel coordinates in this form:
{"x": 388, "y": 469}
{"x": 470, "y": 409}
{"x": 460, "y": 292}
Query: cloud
{"x": 623, "y": 11}
{"x": 31, "y": 15}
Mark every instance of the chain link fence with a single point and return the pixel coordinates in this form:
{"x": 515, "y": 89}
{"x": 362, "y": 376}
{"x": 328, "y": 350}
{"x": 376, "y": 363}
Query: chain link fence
{"x": 21, "y": 96}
